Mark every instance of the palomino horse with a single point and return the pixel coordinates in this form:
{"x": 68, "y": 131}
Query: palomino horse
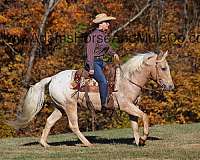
{"x": 138, "y": 70}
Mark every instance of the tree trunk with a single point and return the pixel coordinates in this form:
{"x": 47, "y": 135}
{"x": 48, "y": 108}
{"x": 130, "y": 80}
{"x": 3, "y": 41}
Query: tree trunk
{"x": 48, "y": 9}
{"x": 160, "y": 4}
{"x": 30, "y": 65}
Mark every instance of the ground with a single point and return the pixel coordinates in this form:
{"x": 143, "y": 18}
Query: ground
{"x": 171, "y": 142}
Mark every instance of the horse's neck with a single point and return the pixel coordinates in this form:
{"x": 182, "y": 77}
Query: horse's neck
{"x": 139, "y": 77}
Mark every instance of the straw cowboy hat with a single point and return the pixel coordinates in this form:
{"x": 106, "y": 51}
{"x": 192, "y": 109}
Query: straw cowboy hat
{"x": 102, "y": 17}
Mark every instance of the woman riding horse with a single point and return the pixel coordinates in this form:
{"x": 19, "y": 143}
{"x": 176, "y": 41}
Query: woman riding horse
{"x": 97, "y": 46}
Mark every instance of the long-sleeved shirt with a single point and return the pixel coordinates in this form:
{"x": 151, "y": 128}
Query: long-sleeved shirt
{"x": 97, "y": 45}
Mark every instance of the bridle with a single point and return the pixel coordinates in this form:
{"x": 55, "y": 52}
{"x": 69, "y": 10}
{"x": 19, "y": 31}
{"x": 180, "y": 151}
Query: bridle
{"x": 157, "y": 75}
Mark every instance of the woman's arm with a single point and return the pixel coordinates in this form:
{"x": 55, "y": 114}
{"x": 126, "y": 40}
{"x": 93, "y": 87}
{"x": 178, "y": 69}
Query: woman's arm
{"x": 91, "y": 44}
{"x": 113, "y": 53}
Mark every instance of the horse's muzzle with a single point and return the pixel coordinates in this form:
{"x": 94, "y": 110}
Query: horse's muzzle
{"x": 166, "y": 86}
{"x": 169, "y": 87}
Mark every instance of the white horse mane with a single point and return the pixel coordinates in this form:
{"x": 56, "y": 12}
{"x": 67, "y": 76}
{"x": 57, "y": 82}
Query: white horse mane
{"x": 135, "y": 64}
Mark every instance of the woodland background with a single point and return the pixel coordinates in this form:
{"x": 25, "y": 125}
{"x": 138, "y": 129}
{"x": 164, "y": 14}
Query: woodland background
{"x": 37, "y": 41}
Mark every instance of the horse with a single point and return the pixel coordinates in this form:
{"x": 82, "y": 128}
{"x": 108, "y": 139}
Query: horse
{"x": 134, "y": 74}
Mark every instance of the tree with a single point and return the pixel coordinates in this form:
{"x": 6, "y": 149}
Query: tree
{"x": 49, "y": 7}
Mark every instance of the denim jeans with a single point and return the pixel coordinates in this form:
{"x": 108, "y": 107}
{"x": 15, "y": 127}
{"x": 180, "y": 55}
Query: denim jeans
{"x": 100, "y": 78}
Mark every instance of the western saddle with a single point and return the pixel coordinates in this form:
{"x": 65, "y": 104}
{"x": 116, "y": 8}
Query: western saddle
{"x": 83, "y": 82}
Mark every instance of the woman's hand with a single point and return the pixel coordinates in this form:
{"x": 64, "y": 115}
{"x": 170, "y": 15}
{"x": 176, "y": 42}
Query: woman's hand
{"x": 91, "y": 72}
{"x": 116, "y": 57}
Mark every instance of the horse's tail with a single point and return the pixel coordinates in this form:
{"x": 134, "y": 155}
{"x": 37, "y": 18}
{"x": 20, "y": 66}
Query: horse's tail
{"x": 33, "y": 103}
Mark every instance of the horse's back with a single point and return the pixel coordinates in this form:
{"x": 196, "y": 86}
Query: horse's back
{"x": 60, "y": 86}
{"x": 65, "y": 75}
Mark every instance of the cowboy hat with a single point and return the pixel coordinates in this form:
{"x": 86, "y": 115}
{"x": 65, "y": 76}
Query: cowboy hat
{"x": 102, "y": 17}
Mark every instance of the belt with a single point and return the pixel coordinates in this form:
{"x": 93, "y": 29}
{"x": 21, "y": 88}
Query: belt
{"x": 98, "y": 57}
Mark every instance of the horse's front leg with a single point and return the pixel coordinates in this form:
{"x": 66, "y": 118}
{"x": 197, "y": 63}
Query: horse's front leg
{"x": 146, "y": 126}
{"x": 135, "y": 128}
{"x": 135, "y": 112}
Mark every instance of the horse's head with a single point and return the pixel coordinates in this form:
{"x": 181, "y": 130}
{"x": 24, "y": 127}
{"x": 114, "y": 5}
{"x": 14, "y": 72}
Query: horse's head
{"x": 160, "y": 71}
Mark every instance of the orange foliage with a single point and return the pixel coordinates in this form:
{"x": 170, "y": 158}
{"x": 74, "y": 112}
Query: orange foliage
{"x": 3, "y": 19}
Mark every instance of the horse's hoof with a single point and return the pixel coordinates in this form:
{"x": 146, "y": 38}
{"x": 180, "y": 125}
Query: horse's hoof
{"x": 136, "y": 143}
{"x": 141, "y": 142}
{"x": 44, "y": 144}
{"x": 91, "y": 145}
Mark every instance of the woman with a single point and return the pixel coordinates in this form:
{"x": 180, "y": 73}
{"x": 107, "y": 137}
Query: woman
{"x": 97, "y": 46}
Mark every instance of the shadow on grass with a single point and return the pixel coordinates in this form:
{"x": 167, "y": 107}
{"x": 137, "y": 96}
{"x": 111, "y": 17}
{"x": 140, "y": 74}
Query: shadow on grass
{"x": 95, "y": 139}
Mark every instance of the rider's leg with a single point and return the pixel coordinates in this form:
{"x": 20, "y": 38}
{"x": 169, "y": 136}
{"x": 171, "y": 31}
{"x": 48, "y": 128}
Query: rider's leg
{"x": 100, "y": 78}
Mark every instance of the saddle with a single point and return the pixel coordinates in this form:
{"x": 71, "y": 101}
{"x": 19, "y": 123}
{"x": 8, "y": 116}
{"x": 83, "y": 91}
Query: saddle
{"x": 83, "y": 82}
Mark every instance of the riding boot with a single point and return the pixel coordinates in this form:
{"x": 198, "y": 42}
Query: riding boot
{"x": 109, "y": 103}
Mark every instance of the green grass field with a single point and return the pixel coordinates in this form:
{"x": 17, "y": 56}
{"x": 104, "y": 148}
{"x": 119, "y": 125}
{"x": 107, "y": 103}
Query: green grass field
{"x": 181, "y": 142}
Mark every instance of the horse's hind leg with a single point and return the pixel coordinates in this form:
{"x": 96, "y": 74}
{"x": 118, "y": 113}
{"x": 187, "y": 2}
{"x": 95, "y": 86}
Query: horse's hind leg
{"x": 71, "y": 111}
{"x": 52, "y": 119}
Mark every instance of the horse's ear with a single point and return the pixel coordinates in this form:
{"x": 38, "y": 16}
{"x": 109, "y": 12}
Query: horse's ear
{"x": 162, "y": 56}
{"x": 150, "y": 60}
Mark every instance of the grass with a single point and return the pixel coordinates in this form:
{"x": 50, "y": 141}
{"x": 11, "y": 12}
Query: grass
{"x": 177, "y": 142}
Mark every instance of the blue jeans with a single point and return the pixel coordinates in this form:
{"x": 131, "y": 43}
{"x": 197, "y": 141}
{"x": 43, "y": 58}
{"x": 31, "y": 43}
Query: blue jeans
{"x": 100, "y": 78}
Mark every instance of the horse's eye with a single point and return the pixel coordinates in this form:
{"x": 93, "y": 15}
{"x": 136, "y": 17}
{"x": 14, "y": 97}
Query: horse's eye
{"x": 164, "y": 68}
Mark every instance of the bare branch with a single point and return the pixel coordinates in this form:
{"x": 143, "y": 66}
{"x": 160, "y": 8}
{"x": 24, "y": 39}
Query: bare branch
{"x": 12, "y": 49}
{"x": 187, "y": 24}
{"x": 55, "y": 4}
{"x": 132, "y": 19}
{"x": 136, "y": 6}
